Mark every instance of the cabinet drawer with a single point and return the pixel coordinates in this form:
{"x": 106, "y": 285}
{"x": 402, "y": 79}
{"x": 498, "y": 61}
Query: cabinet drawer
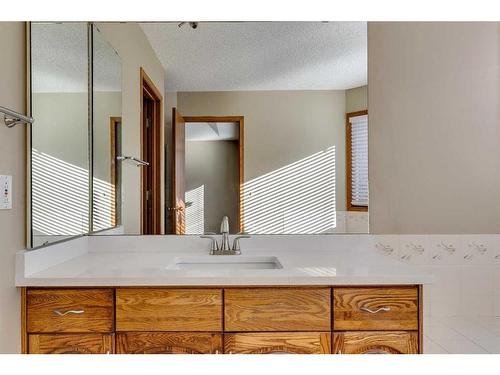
{"x": 168, "y": 343}
{"x": 168, "y": 309}
{"x": 92, "y": 343}
{"x": 277, "y": 309}
{"x": 375, "y": 342}
{"x": 70, "y": 310}
{"x": 375, "y": 309}
{"x": 278, "y": 343}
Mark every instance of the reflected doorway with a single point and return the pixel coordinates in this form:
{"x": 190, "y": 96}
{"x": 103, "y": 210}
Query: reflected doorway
{"x": 207, "y": 173}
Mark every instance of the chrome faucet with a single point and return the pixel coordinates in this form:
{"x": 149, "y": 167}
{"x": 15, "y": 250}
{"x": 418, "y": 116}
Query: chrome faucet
{"x": 224, "y": 230}
{"x": 224, "y": 248}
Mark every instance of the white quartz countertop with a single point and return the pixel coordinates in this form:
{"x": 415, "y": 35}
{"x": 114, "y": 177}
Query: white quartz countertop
{"x": 138, "y": 267}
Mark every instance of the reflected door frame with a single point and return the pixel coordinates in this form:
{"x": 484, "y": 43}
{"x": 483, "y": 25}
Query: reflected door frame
{"x": 151, "y": 127}
{"x": 115, "y": 136}
{"x": 240, "y": 120}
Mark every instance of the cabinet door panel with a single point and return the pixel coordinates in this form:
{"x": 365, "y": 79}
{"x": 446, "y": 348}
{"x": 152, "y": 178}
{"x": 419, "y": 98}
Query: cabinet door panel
{"x": 169, "y": 310}
{"x": 278, "y": 343}
{"x": 375, "y": 343}
{"x": 70, "y": 344}
{"x": 168, "y": 343}
{"x": 69, "y": 310}
{"x": 277, "y": 309}
{"x": 375, "y": 309}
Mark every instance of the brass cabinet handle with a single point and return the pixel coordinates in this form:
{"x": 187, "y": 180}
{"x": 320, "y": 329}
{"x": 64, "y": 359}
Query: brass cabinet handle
{"x": 368, "y": 310}
{"x": 62, "y": 313}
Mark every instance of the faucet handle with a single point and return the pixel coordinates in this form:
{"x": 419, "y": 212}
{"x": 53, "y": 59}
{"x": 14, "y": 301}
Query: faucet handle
{"x": 236, "y": 242}
{"x": 214, "y": 246}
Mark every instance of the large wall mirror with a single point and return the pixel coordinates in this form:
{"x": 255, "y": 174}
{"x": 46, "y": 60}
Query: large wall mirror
{"x": 265, "y": 123}
{"x": 270, "y": 126}
{"x": 75, "y": 96}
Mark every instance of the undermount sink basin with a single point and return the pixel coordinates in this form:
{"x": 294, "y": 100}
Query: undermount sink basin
{"x": 225, "y": 263}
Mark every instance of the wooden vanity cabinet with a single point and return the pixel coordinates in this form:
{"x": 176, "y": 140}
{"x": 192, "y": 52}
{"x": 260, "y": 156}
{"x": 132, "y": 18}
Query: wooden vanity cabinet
{"x": 277, "y": 309}
{"x": 278, "y": 343}
{"x": 88, "y": 343}
{"x": 234, "y": 320}
{"x": 168, "y": 343}
{"x": 177, "y": 310}
{"x": 369, "y": 342}
{"x": 375, "y": 309}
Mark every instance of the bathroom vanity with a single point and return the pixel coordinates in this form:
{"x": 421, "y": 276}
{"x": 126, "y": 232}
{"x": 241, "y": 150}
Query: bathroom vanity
{"x": 97, "y": 297}
{"x": 259, "y": 320}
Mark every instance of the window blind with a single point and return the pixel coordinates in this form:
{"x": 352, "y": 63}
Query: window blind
{"x": 359, "y": 160}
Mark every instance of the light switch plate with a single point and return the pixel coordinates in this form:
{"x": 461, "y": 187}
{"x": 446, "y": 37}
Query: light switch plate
{"x": 5, "y": 192}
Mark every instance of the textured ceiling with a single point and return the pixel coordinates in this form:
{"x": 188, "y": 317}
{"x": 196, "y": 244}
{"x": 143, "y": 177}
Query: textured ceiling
{"x": 59, "y": 57}
{"x": 261, "y": 55}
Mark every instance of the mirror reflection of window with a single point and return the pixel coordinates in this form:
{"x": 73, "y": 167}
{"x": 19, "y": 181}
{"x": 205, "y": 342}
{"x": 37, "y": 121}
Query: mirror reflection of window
{"x": 59, "y": 154}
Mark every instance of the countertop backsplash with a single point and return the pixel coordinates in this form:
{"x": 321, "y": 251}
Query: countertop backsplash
{"x": 466, "y": 268}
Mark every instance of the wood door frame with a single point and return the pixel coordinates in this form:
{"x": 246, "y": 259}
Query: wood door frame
{"x": 148, "y": 89}
{"x": 241, "y": 151}
{"x": 113, "y": 123}
{"x": 348, "y": 158}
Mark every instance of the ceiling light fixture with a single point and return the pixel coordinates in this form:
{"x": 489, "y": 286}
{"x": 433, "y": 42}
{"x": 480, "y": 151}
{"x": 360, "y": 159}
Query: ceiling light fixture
{"x": 194, "y": 25}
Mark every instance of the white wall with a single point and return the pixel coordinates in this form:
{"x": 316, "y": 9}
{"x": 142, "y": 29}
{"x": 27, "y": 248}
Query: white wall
{"x": 434, "y": 134}
{"x": 12, "y": 162}
{"x": 134, "y": 49}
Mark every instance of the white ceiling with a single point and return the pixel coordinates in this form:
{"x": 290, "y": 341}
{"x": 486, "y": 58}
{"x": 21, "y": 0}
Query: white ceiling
{"x": 59, "y": 57}
{"x": 212, "y": 131}
{"x": 220, "y": 56}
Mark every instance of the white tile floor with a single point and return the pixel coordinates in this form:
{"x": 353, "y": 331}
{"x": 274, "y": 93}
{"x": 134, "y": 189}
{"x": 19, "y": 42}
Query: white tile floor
{"x": 460, "y": 335}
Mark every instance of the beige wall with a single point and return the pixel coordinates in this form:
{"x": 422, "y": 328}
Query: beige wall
{"x": 356, "y": 99}
{"x": 281, "y": 127}
{"x": 12, "y": 162}
{"x": 434, "y": 127}
{"x": 134, "y": 49}
{"x": 214, "y": 165}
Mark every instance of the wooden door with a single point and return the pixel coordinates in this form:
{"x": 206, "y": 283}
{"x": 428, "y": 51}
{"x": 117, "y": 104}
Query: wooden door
{"x": 277, "y": 343}
{"x": 168, "y": 343}
{"x": 367, "y": 342}
{"x": 147, "y": 149}
{"x": 115, "y": 149}
{"x": 151, "y": 151}
{"x": 178, "y": 205}
{"x": 71, "y": 344}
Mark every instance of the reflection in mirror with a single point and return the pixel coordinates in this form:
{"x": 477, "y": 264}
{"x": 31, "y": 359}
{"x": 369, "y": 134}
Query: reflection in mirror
{"x": 106, "y": 125}
{"x": 212, "y": 173}
{"x": 59, "y": 141}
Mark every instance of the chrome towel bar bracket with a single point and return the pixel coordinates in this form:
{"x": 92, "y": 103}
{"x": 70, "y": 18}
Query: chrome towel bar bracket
{"x": 12, "y": 118}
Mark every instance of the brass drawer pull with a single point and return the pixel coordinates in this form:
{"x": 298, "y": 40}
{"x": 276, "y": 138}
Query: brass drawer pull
{"x": 368, "y": 310}
{"x": 62, "y": 313}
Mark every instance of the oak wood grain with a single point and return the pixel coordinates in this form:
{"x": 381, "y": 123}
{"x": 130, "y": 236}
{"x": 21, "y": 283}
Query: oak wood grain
{"x": 97, "y": 305}
{"x": 272, "y": 309}
{"x": 92, "y": 343}
{"x": 349, "y": 303}
{"x": 24, "y": 333}
{"x": 168, "y": 343}
{"x": 169, "y": 310}
{"x": 373, "y": 342}
{"x": 278, "y": 343}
